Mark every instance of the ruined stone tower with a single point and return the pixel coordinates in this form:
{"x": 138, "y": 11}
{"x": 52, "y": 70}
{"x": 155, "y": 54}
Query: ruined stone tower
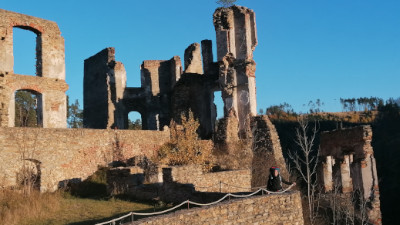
{"x": 49, "y": 83}
{"x": 166, "y": 91}
{"x": 236, "y": 40}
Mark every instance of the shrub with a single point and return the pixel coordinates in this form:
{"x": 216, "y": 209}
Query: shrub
{"x": 95, "y": 186}
{"x": 185, "y": 146}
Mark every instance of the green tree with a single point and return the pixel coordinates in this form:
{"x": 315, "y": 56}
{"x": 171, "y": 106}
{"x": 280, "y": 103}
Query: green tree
{"x": 280, "y": 110}
{"x": 25, "y": 109}
{"x": 74, "y": 114}
{"x": 134, "y": 125}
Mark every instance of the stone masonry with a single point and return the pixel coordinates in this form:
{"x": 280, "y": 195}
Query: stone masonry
{"x": 348, "y": 163}
{"x": 236, "y": 40}
{"x": 165, "y": 92}
{"x": 282, "y": 209}
{"x": 70, "y": 154}
{"x": 166, "y": 89}
{"x": 223, "y": 181}
{"x": 48, "y": 84}
{"x": 107, "y": 100}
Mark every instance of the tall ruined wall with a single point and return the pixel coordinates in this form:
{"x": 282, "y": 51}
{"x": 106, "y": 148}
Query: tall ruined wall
{"x": 158, "y": 78}
{"x": 195, "y": 92}
{"x": 49, "y": 49}
{"x": 64, "y": 154}
{"x": 236, "y": 40}
{"x": 103, "y": 88}
{"x": 265, "y": 209}
{"x": 107, "y": 100}
{"x": 348, "y": 163}
{"x": 259, "y": 150}
{"x": 49, "y": 82}
{"x": 267, "y": 151}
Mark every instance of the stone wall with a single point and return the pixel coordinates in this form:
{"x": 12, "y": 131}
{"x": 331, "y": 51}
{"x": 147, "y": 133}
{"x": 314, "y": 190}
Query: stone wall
{"x": 236, "y": 35}
{"x": 196, "y": 92}
{"x": 49, "y": 82}
{"x": 164, "y": 95}
{"x": 267, "y": 151}
{"x": 66, "y": 154}
{"x": 348, "y": 163}
{"x": 224, "y": 181}
{"x": 107, "y": 100}
{"x": 266, "y": 209}
{"x": 258, "y": 150}
{"x": 103, "y": 89}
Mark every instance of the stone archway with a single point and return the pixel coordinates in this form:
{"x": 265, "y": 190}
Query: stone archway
{"x": 50, "y": 69}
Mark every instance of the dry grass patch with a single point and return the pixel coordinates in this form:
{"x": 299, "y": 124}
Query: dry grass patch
{"x": 60, "y": 208}
{"x": 16, "y": 206}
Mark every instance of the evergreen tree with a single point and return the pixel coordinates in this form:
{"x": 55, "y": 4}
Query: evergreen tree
{"x": 25, "y": 109}
{"x": 74, "y": 115}
{"x": 137, "y": 125}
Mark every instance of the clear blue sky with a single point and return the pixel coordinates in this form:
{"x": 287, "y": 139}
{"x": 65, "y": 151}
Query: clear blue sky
{"x": 308, "y": 49}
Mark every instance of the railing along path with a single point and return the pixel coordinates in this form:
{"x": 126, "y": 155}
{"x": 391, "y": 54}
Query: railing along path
{"x": 188, "y": 202}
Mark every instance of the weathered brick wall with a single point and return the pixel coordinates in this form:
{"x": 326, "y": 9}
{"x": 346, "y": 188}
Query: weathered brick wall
{"x": 266, "y": 209}
{"x": 50, "y": 49}
{"x": 50, "y": 70}
{"x": 65, "y": 154}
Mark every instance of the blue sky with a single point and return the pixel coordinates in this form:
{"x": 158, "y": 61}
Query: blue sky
{"x": 308, "y": 49}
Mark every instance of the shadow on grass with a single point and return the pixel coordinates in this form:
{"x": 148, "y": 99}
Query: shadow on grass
{"x": 204, "y": 197}
{"x": 126, "y": 220}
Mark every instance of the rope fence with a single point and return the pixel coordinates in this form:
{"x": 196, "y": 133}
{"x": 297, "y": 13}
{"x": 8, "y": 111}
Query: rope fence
{"x": 188, "y": 202}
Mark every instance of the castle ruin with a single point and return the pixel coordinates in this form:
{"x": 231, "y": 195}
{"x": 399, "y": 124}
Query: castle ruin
{"x": 348, "y": 165}
{"x": 167, "y": 90}
{"x": 49, "y": 83}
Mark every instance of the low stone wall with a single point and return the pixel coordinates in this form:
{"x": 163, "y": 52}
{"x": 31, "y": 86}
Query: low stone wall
{"x": 224, "y": 181}
{"x": 60, "y": 155}
{"x": 263, "y": 209}
{"x": 120, "y": 180}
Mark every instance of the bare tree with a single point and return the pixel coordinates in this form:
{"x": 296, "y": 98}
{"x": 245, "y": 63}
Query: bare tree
{"x": 346, "y": 208}
{"x": 305, "y": 162}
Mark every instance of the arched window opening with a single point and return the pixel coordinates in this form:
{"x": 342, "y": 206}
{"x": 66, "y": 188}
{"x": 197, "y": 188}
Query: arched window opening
{"x": 134, "y": 121}
{"x": 28, "y": 109}
{"x": 219, "y": 103}
{"x": 26, "y": 51}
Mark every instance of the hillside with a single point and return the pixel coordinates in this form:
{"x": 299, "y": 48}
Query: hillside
{"x": 385, "y": 123}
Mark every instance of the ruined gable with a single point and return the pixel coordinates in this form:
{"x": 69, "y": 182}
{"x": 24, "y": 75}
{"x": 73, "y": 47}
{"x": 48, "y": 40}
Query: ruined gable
{"x": 49, "y": 81}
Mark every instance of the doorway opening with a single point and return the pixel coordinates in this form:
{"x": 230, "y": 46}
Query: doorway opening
{"x": 134, "y": 121}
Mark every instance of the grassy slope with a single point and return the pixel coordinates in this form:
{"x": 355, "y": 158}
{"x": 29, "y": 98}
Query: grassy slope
{"x": 59, "y": 208}
{"x": 88, "y": 211}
